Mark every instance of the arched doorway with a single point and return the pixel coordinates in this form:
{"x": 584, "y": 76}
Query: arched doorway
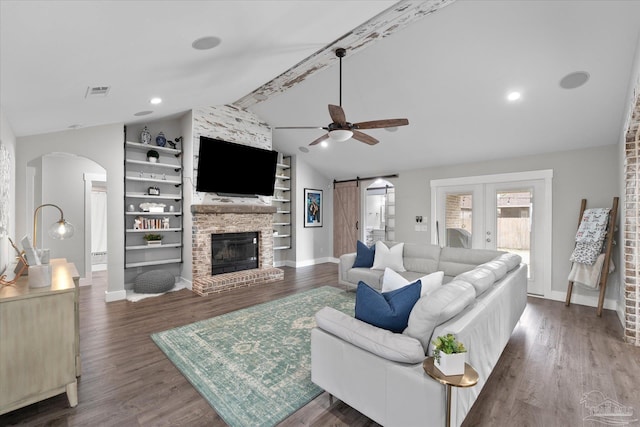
{"x": 65, "y": 180}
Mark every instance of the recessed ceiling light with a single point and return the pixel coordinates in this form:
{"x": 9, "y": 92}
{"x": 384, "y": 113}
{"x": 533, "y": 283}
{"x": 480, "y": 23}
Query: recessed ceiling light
{"x": 204, "y": 43}
{"x": 155, "y": 101}
{"x": 513, "y": 96}
{"x": 303, "y": 149}
{"x": 260, "y": 97}
{"x": 574, "y": 80}
{"x": 75, "y": 126}
{"x": 143, "y": 113}
{"x": 391, "y": 129}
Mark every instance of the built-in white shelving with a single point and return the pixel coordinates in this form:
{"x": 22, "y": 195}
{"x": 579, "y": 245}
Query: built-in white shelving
{"x": 158, "y": 182}
{"x": 282, "y": 200}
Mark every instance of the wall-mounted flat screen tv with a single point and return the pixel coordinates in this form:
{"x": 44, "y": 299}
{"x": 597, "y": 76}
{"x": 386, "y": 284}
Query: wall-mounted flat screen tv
{"x": 234, "y": 169}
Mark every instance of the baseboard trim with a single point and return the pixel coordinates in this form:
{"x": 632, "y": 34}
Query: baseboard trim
{"x": 316, "y": 261}
{"x": 188, "y": 283}
{"x": 115, "y": 296}
{"x": 589, "y": 301}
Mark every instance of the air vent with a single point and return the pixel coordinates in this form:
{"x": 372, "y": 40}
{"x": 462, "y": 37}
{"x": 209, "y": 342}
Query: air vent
{"x": 97, "y": 91}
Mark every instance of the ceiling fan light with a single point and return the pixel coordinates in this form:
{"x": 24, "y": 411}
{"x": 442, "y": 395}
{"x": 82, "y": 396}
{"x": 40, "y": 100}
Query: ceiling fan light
{"x": 340, "y": 135}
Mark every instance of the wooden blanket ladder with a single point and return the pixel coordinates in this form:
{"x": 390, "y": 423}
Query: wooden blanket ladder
{"x": 608, "y": 247}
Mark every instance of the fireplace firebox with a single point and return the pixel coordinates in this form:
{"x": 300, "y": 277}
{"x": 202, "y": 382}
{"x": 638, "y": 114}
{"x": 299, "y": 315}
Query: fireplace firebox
{"x": 234, "y": 252}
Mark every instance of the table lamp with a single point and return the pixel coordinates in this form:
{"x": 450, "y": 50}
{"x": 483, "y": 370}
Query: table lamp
{"x": 60, "y": 230}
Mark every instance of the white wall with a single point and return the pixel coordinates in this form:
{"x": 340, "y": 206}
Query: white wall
{"x": 592, "y": 174}
{"x": 8, "y": 141}
{"x": 102, "y": 144}
{"x": 313, "y": 245}
{"x": 63, "y": 185}
{"x": 188, "y": 184}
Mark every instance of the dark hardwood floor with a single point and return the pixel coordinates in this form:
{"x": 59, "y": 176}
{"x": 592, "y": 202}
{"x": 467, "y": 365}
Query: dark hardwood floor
{"x": 555, "y": 355}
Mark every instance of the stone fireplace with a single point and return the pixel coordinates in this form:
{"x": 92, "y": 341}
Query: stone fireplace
{"x": 232, "y": 219}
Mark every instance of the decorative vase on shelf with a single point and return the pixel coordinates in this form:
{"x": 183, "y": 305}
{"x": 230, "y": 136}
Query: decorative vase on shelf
{"x": 161, "y": 141}
{"x": 145, "y": 136}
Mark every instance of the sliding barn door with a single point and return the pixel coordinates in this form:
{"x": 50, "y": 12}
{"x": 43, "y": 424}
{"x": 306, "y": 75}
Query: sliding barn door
{"x": 346, "y": 213}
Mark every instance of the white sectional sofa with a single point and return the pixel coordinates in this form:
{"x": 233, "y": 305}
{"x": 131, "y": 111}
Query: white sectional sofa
{"x": 380, "y": 373}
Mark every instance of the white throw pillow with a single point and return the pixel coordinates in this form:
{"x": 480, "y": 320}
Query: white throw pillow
{"x": 392, "y": 281}
{"x": 388, "y": 257}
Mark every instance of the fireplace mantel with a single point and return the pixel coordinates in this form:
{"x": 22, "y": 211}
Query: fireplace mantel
{"x": 233, "y": 208}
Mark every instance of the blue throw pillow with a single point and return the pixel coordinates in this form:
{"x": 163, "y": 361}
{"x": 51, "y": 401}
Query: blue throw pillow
{"x": 387, "y": 310}
{"x": 364, "y": 255}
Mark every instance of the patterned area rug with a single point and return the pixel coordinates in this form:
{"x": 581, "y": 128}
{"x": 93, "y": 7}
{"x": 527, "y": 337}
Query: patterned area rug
{"x": 253, "y": 366}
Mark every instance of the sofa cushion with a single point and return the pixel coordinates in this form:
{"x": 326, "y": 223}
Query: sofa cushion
{"x": 384, "y": 343}
{"x": 388, "y": 257}
{"x": 438, "y": 307}
{"x": 372, "y": 277}
{"x": 499, "y": 268}
{"x": 392, "y": 281}
{"x": 420, "y": 257}
{"x": 481, "y": 279}
{"x": 454, "y": 261}
{"x": 388, "y": 310}
{"x": 512, "y": 260}
{"x": 364, "y": 255}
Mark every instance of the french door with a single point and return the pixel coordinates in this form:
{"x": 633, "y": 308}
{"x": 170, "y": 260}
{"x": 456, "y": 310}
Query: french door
{"x": 508, "y": 212}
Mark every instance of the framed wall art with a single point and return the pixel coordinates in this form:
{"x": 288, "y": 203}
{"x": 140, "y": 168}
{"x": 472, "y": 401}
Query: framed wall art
{"x": 312, "y": 208}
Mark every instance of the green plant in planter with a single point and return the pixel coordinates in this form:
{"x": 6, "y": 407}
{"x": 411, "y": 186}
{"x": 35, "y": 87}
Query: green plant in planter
{"x": 153, "y": 153}
{"x": 152, "y": 237}
{"x": 447, "y": 344}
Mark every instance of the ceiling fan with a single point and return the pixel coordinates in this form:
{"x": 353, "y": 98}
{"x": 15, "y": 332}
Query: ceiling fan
{"x": 340, "y": 129}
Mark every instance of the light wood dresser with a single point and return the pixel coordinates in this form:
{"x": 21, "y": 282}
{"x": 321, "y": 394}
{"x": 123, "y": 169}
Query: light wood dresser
{"x": 39, "y": 339}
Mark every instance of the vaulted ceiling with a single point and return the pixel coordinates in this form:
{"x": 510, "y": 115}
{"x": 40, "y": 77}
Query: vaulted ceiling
{"x": 446, "y": 66}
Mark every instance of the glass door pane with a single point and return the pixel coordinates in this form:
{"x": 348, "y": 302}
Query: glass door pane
{"x": 513, "y": 223}
{"x": 458, "y": 220}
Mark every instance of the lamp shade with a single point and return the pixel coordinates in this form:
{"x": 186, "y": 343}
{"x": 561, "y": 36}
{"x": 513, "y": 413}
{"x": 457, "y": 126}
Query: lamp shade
{"x": 61, "y": 229}
{"x": 340, "y": 135}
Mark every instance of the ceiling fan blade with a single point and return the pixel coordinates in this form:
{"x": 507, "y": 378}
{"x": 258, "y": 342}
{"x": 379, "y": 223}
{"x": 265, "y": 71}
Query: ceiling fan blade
{"x": 374, "y": 124}
{"x": 300, "y": 127}
{"x": 319, "y": 140}
{"x": 363, "y": 137}
{"x": 337, "y": 115}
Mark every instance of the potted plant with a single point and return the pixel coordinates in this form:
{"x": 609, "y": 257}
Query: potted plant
{"x": 153, "y": 156}
{"x": 449, "y": 355}
{"x": 153, "y": 239}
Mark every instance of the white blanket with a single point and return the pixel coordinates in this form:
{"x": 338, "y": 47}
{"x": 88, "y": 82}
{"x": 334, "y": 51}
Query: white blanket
{"x": 589, "y": 275}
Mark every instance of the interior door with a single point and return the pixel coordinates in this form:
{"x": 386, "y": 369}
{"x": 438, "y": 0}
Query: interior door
{"x": 346, "y": 216}
{"x": 511, "y": 216}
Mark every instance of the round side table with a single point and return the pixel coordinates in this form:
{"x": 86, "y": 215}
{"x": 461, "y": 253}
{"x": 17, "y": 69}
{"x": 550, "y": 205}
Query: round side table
{"x": 468, "y": 379}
